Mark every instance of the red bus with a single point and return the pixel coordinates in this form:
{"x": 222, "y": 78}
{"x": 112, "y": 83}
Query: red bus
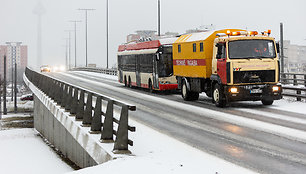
{"x": 147, "y": 65}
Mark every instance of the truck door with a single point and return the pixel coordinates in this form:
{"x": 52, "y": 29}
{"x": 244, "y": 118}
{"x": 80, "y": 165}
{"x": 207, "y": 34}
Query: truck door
{"x": 221, "y": 62}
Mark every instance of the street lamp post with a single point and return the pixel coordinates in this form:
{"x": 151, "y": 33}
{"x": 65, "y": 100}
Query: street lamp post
{"x": 13, "y": 46}
{"x": 0, "y": 98}
{"x": 39, "y": 10}
{"x": 66, "y": 52}
{"x": 106, "y": 34}
{"x": 75, "y": 41}
{"x": 15, "y": 88}
{"x": 69, "y": 48}
{"x": 158, "y": 17}
{"x": 86, "y": 10}
{"x": 282, "y": 48}
{"x": 4, "y": 86}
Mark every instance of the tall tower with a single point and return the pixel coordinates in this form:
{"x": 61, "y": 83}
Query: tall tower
{"x": 39, "y": 10}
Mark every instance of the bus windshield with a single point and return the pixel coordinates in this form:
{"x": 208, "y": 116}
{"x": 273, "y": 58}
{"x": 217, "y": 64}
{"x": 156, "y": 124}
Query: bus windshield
{"x": 257, "y": 48}
{"x": 165, "y": 68}
{"x": 165, "y": 63}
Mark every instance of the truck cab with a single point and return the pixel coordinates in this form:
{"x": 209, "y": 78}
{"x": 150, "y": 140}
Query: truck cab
{"x": 245, "y": 66}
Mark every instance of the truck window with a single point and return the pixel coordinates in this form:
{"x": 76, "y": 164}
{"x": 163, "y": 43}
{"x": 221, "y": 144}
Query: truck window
{"x": 256, "y": 48}
{"x": 221, "y": 53}
{"x": 179, "y": 48}
{"x": 201, "y": 47}
{"x": 194, "y": 46}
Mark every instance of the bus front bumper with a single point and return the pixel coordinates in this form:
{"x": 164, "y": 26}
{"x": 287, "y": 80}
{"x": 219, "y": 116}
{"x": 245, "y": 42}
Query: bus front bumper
{"x": 163, "y": 87}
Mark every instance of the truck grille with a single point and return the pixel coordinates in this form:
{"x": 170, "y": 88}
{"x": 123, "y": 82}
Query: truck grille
{"x": 254, "y": 76}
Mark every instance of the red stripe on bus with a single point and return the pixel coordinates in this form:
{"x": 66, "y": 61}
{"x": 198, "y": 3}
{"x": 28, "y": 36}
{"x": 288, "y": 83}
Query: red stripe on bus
{"x": 140, "y": 46}
{"x": 167, "y": 86}
{"x": 162, "y": 87}
{"x": 189, "y": 62}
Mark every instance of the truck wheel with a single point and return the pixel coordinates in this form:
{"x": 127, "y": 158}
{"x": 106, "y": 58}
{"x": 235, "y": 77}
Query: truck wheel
{"x": 208, "y": 93}
{"x": 218, "y": 96}
{"x": 189, "y": 95}
{"x": 267, "y": 101}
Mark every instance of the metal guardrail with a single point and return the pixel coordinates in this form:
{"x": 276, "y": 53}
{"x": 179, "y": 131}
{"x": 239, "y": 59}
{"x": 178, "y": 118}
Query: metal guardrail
{"x": 72, "y": 99}
{"x": 294, "y": 79}
{"x": 294, "y": 84}
{"x": 99, "y": 70}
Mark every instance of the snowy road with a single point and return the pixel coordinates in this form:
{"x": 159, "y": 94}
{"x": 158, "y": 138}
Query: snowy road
{"x": 264, "y": 139}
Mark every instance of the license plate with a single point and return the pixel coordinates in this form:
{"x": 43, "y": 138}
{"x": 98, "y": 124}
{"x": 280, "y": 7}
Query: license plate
{"x": 255, "y": 91}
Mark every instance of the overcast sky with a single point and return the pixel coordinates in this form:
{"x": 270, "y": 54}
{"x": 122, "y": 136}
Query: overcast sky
{"x": 18, "y": 23}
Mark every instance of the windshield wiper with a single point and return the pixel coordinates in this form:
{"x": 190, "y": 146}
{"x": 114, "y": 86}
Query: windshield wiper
{"x": 252, "y": 57}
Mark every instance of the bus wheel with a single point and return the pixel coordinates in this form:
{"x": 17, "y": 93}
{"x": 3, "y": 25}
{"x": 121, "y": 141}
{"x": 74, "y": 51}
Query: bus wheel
{"x": 125, "y": 81}
{"x": 150, "y": 86}
{"x": 267, "y": 101}
{"x": 187, "y": 94}
{"x": 218, "y": 96}
{"x": 130, "y": 82}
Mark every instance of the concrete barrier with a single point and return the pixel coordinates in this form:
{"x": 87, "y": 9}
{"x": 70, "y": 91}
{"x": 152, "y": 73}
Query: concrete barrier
{"x": 67, "y": 134}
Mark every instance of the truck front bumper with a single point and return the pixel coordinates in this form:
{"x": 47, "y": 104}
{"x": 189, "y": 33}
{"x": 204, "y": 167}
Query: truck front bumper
{"x": 253, "y": 92}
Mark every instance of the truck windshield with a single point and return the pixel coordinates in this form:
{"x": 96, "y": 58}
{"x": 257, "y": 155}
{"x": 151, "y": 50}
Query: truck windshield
{"x": 241, "y": 49}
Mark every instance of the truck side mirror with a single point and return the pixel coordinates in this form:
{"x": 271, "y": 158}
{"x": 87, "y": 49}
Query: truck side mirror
{"x": 277, "y": 47}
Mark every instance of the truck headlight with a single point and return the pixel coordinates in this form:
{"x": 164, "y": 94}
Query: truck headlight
{"x": 234, "y": 90}
{"x": 275, "y": 88}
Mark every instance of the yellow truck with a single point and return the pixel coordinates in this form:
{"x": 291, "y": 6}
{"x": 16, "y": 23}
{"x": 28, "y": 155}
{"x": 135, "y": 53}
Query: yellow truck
{"x": 228, "y": 65}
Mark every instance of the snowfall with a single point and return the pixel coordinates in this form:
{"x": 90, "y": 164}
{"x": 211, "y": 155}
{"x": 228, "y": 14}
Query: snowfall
{"x": 23, "y": 151}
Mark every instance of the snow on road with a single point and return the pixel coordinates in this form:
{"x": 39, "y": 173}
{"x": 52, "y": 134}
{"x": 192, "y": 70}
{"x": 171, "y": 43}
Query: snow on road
{"x": 242, "y": 121}
{"x": 154, "y": 152}
{"x": 157, "y": 153}
{"x": 163, "y": 154}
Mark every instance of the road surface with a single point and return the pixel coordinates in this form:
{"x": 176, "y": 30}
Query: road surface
{"x": 214, "y": 130}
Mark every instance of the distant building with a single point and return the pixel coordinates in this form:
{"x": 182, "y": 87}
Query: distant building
{"x": 202, "y": 28}
{"x": 146, "y": 35}
{"x": 142, "y": 35}
{"x": 294, "y": 58}
{"x": 21, "y": 58}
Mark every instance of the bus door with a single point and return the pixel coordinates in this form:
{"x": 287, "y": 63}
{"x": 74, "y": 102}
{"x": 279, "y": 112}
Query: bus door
{"x": 155, "y": 70}
{"x": 138, "y": 78}
{"x": 120, "y": 76}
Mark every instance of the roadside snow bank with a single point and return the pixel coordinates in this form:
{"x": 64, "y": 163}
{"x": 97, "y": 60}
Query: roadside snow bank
{"x": 21, "y": 151}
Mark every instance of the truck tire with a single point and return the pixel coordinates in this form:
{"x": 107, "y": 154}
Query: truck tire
{"x": 208, "y": 93}
{"x": 187, "y": 94}
{"x": 267, "y": 101}
{"x": 218, "y": 96}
